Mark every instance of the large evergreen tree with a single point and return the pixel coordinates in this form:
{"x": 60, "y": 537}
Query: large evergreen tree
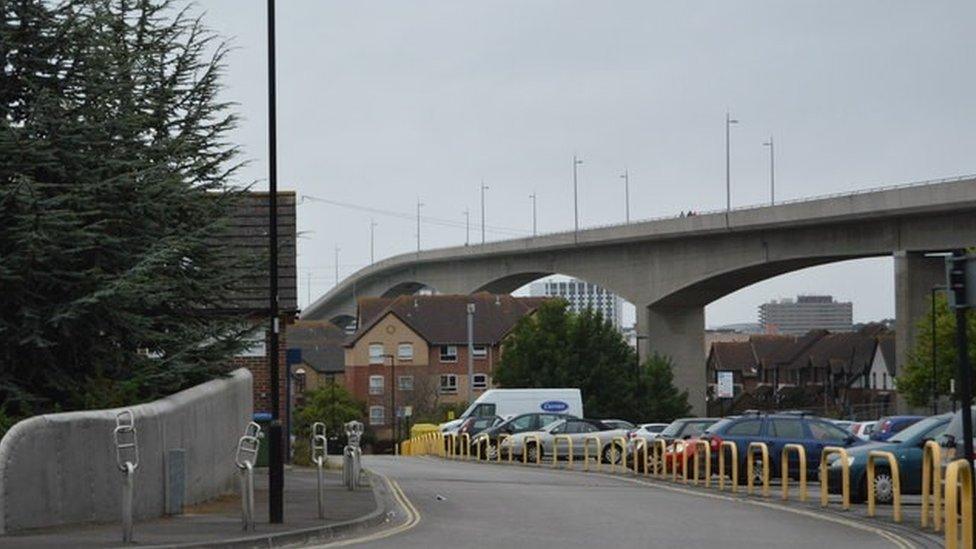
{"x": 114, "y": 187}
{"x": 556, "y": 348}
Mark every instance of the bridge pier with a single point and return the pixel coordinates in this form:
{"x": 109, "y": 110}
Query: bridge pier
{"x": 679, "y": 333}
{"x": 915, "y": 275}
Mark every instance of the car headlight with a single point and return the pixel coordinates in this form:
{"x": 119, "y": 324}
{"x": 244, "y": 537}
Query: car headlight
{"x": 834, "y": 460}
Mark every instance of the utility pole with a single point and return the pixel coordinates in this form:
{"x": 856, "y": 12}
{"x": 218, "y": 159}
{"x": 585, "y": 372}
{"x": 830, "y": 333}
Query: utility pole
{"x": 728, "y": 166}
{"x": 534, "y": 226}
{"x": 470, "y": 353}
{"x": 483, "y": 189}
{"x": 576, "y": 162}
{"x": 419, "y": 205}
{"x": 276, "y": 465}
{"x": 626, "y": 177}
{"x": 772, "y": 171}
{"x": 467, "y": 227}
{"x": 336, "y": 265}
{"x": 960, "y": 275}
{"x": 372, "y": 255}
{"x": 308, "y": 286}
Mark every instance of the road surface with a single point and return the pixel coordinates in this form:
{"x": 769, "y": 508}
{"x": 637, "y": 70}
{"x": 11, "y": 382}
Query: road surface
{"x": 477, "y": 505}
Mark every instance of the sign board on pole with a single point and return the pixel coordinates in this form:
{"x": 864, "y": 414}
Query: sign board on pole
{"x": 726, "y": 388}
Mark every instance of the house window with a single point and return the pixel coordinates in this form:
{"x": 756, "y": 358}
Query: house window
{"x": 376, "y": 353}
{"x": 377, "y": 415}
{"x": 405, "y": 383}
{"x": 480, "y": 382}
{"x": 405, "y": 351}
{"x": 884, "y": 380}
{"x": 480, "y": 351}
{"x": 448, "y": 384}
{"x": 874, "y": 380}
{"x": 376, "y": 385}
{"x": 449, "y": 353}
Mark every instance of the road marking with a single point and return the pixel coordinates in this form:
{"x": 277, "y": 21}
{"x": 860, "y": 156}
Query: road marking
{"x": 413, "y": 519}
{"x": 895, "y": 539}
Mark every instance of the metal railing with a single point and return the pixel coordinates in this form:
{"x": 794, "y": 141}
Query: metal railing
{"x": 127, "y": 460}
{"x": 733, "y": 470}
{"x": 874, "y": 455}
{"x": 958, "y": 504}
{"x": 569, "y": 450}
{"x": 247, "y": 453}
{"x": 801, "y": 455}
{"x": 932, "y": 484}
{"x": 703, "y": 445}
{"x": 845, "y": 464}
{"x": 586, "y": 451}
{"x": 764, "y": 450}
{"x": 319, "y": 450}
{"x": 525, "y": 449}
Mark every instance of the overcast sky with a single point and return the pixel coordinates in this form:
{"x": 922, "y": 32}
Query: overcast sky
{"x": 383, "y": 102}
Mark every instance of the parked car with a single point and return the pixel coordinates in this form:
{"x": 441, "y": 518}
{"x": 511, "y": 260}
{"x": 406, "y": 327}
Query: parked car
{"x": 863, "y": 429}
{"x": 474, "y": 425}
{"x": 952, "y": 439}
{"x": 905, "y": 445}
{"x": 512, "y": 426}
{"x": 843, "y": 424}
{"x": 676, "y": 431}
{"x": 619, "y": 424}
{"x": 777, "y": 430}
{"x": 578, "y": 429}
{"x": 647, "y": 431}
{"x": 888, "y": 426}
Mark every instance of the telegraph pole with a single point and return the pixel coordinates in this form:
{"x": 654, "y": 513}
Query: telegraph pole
{"x": 626, "y": 177}
{"x": 336, "y": 265}
{"x": 419, "y": 205}
{"x": 534, "y": 231}
{"x": 467, "y": 227}
{"x": 276, "y": 465}
{"x": 372, "y": 255}
{"x": 728, "y": 165}
{"x": 576, "y": 162}
{"x": 961, "y": 290}
{"x": 772, "y": 171}
{"x": 470, "y": 352}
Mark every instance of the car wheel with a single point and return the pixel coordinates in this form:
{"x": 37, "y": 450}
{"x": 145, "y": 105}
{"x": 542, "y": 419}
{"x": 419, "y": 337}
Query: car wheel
{"x": 491, "y": 452}
{"x": 883, "y": 486}
{"x": 612, "y": 454}
{"x": 531, "y": 452}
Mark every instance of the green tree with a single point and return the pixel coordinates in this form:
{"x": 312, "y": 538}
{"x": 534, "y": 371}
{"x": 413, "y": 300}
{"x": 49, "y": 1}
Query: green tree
{"x": 114, "y": 184}
{"x": 556, "y": 348}
{"x": 333, "y": 405}
{"x": 915, "y": 381}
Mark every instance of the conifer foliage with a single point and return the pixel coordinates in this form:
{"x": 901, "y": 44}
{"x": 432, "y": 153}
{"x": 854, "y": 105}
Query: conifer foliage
{"x": 114, "y": 189}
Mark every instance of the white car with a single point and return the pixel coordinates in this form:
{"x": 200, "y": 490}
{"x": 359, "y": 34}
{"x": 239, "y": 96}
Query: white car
{"x": 579, "y": 430}
{"x": 863, "y": 429}
{"x": 649, "y": 431}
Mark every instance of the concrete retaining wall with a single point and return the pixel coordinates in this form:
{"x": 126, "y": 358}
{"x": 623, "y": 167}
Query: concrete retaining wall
{"x": 61, "y": 468}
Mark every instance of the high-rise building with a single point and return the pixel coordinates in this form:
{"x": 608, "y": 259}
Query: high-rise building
{"x": 807, "y": 312}
{"x": 582, "y": 295}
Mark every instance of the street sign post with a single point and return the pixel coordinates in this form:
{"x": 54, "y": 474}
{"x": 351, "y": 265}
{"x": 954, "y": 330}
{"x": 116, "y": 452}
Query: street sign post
{"x": 726, "y": 387}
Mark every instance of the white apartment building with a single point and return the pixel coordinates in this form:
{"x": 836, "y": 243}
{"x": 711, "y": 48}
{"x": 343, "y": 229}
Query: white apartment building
{"x": 582, "y": 295}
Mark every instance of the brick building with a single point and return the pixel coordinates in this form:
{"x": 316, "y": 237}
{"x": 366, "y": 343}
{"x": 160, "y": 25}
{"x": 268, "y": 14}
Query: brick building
{"x": 321, "y": 359}
{"x": 424, "y": 338}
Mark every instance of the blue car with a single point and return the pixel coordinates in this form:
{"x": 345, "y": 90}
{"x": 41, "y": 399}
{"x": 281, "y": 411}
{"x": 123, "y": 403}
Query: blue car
{"x": 888, "y": 426}
{"x": 777, "y": 430}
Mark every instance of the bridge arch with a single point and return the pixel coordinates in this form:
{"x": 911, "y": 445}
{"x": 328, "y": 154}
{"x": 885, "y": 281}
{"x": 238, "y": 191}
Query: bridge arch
{"x": 344, "y": 321}
{"x": 409, "y": 287}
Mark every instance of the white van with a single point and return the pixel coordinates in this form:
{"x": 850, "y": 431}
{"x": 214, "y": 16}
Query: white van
{"x": 512, "y": 402}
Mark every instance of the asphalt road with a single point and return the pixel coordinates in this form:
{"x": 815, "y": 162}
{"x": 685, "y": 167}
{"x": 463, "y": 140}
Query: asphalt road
{"x": 478, "y": 505}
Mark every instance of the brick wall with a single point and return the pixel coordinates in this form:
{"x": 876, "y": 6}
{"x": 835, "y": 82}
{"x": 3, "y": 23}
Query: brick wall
{"x": 258, "y": 365}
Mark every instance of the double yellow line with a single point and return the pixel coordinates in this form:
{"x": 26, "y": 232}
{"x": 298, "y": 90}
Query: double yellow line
{"x": 413, "y": 518}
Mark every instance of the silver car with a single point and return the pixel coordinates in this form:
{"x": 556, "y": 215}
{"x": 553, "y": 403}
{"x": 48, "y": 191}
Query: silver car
{"x": 579, "y": 430}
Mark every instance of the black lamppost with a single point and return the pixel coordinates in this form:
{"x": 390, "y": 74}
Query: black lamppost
{"x": 935, "y": 367}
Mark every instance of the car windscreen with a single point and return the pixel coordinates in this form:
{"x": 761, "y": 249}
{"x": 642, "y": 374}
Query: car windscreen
{"x": 673, "y": 429}
{"x": 920, "y": 428}
{"x": 654, "y": 428}
{"x": 718, "y": 426}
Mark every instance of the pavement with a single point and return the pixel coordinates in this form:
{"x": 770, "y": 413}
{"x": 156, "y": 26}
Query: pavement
{"x": 462, "y": 504}
{"x": 218, "y": 522}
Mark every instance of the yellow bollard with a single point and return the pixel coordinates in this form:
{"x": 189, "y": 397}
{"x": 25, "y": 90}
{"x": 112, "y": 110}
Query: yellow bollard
{"x": 623, "y": 453}
{"x": 538, "y": 449}
{"x": 569, "y": 450}
{"x": 477, "y": 449}
{"x": 958, "y": 478}
{"x": 451, "y": 442}
{"x": 699, "y": 444}
{"x": 465, "y": 446}
{"x": 845, "y": 475}
{"x": 733, "y": 470}
{"x": 640, "y": 443}
{"x": 765, "y": 467}
{"x": 932, "y": 484}
{"x": 586, "y": 451}
{"x": 660, "y": 465}
{"x": 895, "y": 482}
{"x": 498, "y": 449}
{"x": 801, "y": 454}
{"x": 684, "y": 460}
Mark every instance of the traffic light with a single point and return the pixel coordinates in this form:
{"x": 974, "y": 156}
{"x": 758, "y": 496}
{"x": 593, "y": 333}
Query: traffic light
{"x": 961, "y": 280}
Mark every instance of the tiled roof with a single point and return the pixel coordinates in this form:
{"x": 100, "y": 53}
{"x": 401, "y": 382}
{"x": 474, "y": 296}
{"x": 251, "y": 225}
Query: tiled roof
{"x": 886, "y": 343}
{"x": 732, "y": 355}
{"x": 442, "y": 319}
{"x": 321, "y": 343}
{"x": 767, "y": 347}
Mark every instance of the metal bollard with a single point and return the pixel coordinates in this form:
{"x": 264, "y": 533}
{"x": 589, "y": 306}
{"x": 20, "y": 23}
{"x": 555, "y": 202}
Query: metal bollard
{"x": 569, "y": 450}
{"x": 958, "y": 504}
{"x": 247, "y": 453}
{"x": 734, "y": 465}
{"x": 932, "y": 484}
{"x": 895, "y": 482}
{"x": 801, "y": 454}
{"x": 586, "y": 451}
{"x": 660, "y": 448}
{"x": 320, "y": 446}
{"x": 845, "y": 476}
{"x": 764, "y": 452}
{"x": 707, "y": 473}
{"x": 352, "y": 455}
{"x": 640, "y": 444}
{"x": 127, "y": 459}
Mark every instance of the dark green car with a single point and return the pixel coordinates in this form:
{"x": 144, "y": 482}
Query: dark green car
{"x": 907, "y": 448}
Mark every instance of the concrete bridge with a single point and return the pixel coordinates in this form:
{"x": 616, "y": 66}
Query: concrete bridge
{"x": 671, "y": 268}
